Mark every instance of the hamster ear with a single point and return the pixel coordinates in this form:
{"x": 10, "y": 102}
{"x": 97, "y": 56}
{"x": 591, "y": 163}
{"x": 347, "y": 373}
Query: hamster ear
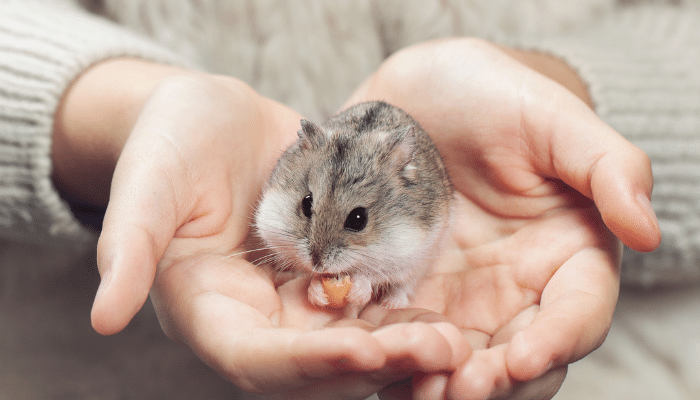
{"x": 311, "y": 136}
{"x": 403, "y": 145}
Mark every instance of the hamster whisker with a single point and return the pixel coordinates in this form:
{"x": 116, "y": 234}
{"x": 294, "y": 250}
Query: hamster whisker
{"x": 268, "y": 257}
{"x": 359, "y": 262}
{"x": 240, "y": 253}
{"x": 269, "y": 227}
{"x": 365, "y": 259}
{"x": 281, "y": 232}
{"x": 285, "y": 265}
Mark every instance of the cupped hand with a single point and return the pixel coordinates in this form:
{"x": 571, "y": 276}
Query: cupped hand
{"x": 178, "y": 226}
{"x": 530, "y": 273}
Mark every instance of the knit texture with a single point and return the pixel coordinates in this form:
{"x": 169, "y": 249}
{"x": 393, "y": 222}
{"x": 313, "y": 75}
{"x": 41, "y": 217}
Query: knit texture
{"x": 640, "y": 62}
{"x": 311, "y": 54}
{"x": 641, "y": 66}
{"x": 43, "y": 48}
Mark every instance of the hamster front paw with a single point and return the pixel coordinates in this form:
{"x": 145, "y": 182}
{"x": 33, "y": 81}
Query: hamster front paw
{"x": 361, "y": 291}
{"x": 316, "y": 294}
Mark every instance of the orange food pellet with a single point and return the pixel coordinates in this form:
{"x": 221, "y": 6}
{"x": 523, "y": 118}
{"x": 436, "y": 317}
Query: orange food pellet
{"x": 336, "y": 290}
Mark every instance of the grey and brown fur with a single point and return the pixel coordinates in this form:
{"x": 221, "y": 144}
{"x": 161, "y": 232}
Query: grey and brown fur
{"x": 373, "y": 156}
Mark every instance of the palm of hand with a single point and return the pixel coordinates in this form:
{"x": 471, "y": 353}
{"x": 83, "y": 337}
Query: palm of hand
{"x": 263, "y": 337}
{"x": 503, "y": 277}
{"x": 495, "y": 276}
{"x": 505, "y": 265}
{"x": 527, "y": 278}
{"x": 530, "y": 273}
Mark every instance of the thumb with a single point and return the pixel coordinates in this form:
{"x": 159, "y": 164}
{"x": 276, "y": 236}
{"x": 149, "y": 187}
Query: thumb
{"x": 593, "y": 158}
{"x": 621, "y": 188}
{"x": 139, "y": 223}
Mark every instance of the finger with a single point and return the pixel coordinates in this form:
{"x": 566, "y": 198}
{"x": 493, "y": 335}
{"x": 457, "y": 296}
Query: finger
{"x": 331, "y": 351}
{"x": 126, "y": 262}
{"x": 623, "y": 198}
{"x": 419, "y": 346}
{"x": 409, "y": 347}
{"x": 242, "y": 345}
{"x": 571, "y": 143}
{"x": 229, "y": 313}
{"x": 430, "y": 386}
{"x": 138, "y": 225}
{"x": 428, "y": 339}
{"x": 544, "y": 387}
{"x": 354, "y": 386}
{"x": 576, "y": 310}
{"x": 433, "y": 387}
{"x": 417, "y": 343}
{"x": 401, "y": 390}
{"x": 484, "y": 376}
{"x": 479, "y": 376}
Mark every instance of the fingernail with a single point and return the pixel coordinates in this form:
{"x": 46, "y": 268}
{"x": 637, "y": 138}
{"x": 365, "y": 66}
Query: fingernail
{"x": 104, "y": 282}
{"x": 548, "y": 368}
{"x": 544, "y": 371}
{"x": 645, "y": 203}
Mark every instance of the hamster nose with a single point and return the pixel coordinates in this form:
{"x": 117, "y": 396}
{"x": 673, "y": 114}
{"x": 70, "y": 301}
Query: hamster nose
{"x": 316, "y": 260}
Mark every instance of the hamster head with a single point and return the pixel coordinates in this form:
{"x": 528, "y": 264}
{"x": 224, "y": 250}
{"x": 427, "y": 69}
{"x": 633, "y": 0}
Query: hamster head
{"x": 349, "y": 201}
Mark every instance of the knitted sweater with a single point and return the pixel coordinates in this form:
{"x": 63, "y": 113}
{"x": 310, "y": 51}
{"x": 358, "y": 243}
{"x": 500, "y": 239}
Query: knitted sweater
{"x": 640, "y": 62}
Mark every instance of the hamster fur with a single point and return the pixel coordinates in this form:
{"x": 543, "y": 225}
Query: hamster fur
{"x": 366, "y": 194}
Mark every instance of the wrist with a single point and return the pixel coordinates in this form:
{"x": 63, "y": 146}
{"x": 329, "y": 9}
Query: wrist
{"x": 93, "y": 121}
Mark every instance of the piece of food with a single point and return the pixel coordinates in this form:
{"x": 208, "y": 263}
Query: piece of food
{"x": 336, "y": 289}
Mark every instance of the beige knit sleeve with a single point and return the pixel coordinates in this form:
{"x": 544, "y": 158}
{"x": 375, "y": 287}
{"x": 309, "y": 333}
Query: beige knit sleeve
{"x": 43, "y": 48}
{"x": 642, "y": 67}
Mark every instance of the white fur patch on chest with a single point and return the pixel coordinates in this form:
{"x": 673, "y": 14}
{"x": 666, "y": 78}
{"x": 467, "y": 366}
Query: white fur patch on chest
{"x": 400, "y": 249}
{"x": 404, "y": 239}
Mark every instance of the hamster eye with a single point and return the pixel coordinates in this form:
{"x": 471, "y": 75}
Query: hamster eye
{"x": 306, "y": 205}
{"x": 357, "y": 220}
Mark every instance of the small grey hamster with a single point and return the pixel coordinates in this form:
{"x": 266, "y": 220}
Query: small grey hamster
{"x": 367, "y": 195}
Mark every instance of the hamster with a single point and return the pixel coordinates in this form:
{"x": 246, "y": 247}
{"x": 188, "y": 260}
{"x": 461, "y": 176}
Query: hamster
{"x": 367, "y": 195}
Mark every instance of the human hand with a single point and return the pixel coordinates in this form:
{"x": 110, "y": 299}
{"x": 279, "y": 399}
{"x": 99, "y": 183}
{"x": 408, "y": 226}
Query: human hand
{"x": 190, "y": 168}
{"x": 530, "y": 274}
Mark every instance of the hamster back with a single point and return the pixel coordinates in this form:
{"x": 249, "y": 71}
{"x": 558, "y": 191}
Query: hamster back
{"x": 366, "y": 195}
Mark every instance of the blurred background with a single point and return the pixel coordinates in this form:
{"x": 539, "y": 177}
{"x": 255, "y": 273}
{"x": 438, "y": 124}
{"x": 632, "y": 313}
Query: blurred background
{"x": 48, "y": 349}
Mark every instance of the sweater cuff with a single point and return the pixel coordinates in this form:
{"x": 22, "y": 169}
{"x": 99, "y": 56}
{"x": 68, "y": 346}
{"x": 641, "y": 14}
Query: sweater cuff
{"x": 641, "y": 70}
{"x": 43, "y": 48}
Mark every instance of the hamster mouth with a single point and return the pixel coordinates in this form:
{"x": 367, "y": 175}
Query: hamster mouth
{"x": 331, "y": 276}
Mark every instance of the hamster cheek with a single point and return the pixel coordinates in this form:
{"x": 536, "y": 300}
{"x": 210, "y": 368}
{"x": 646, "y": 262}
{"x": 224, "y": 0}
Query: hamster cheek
{"x": 272, "y": 218}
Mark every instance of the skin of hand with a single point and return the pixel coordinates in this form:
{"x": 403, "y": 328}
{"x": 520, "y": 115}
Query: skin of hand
{"x": 265, "y": 337}
{"x": 189, "y": 154}
{"x": 530, "y": 273}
